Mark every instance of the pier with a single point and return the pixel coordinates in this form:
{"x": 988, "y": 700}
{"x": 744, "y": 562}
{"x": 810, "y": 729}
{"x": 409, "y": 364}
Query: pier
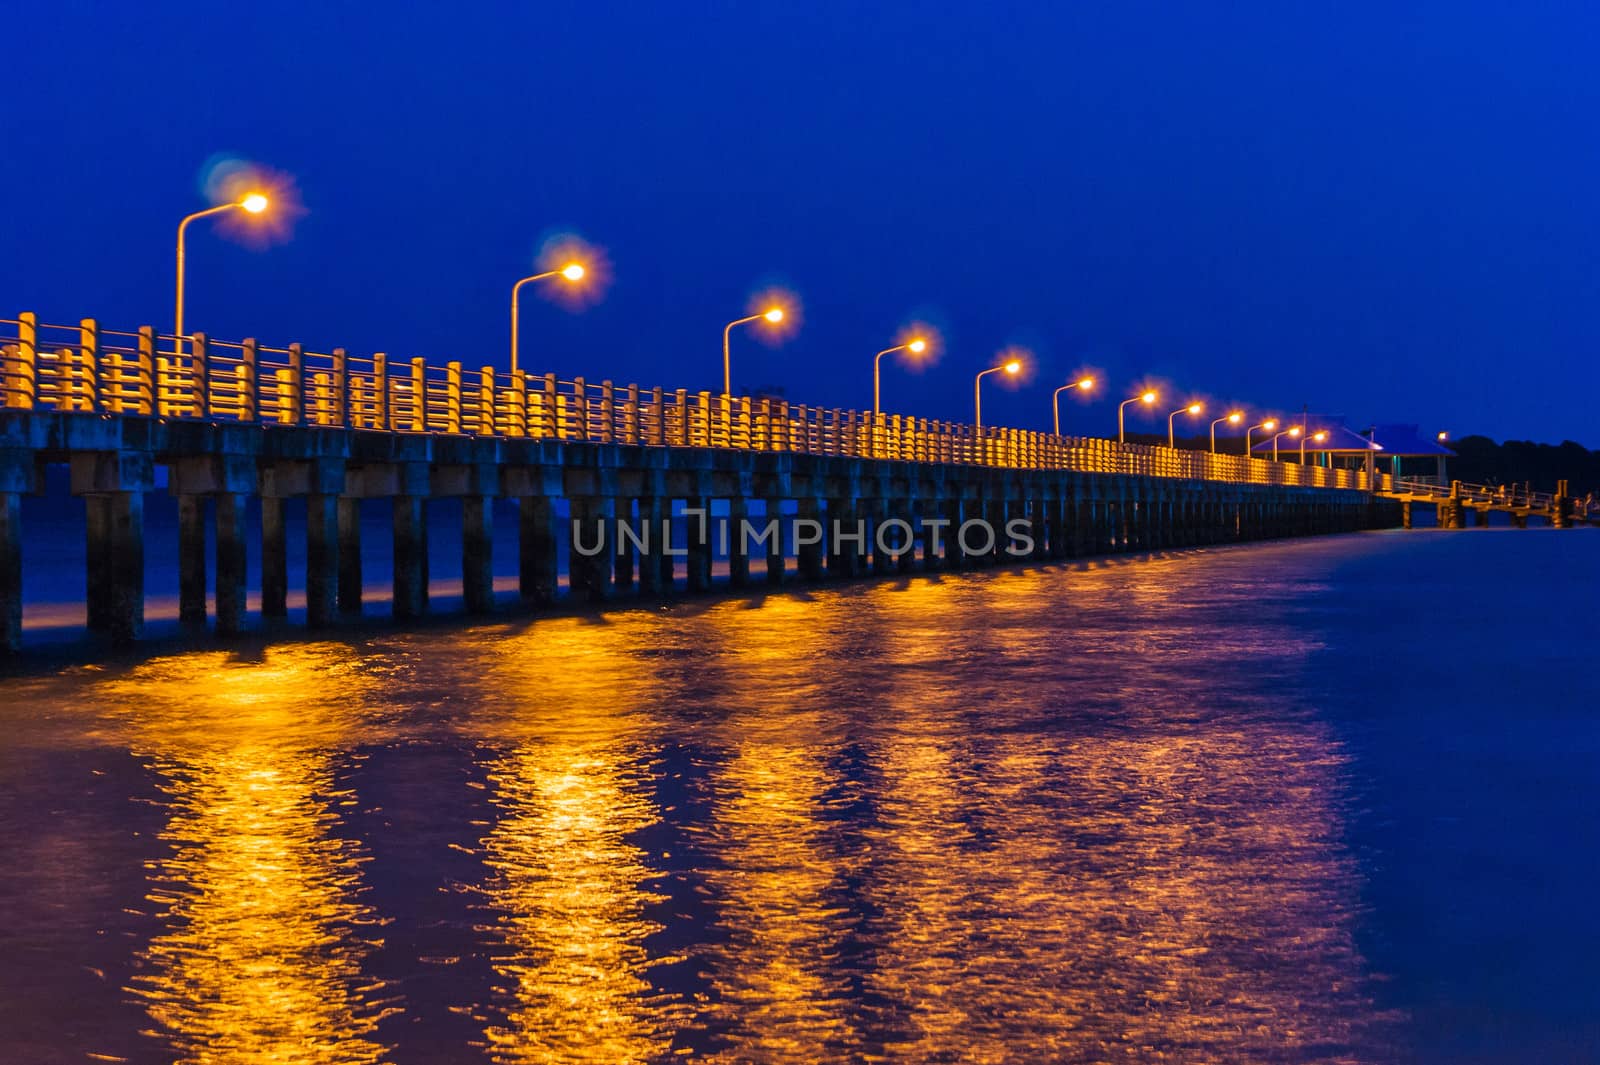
{"x": 231, "y": 421}
{"x": 1459, "y": 506}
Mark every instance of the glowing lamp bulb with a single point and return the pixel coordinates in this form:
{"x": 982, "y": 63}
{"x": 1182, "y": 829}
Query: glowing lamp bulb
{"x": 1269, "y": 425}
{"x": 255, "y": 203}
{"x": 1013, "y": 366}
{"x": 1444, "y": 436}
{"x": 1235, "y": 418}
{"x": 1194, "y": 408}
{"x": 1148, "y": 397}
{"x": 917, "y": 347}
{"x": 1320, "y": 437}
{"x": 774, "y": 315}
{"x": 1295, "y": 431}
{"x": 574, "y": 272}
{"x": 1087, "y": 382}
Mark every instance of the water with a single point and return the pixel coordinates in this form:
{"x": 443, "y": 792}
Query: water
{"x": 1313, "y": 801}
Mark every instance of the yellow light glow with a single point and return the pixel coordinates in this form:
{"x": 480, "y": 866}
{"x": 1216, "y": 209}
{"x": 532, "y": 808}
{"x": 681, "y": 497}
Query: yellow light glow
{"x": 1087, "y": 382}
{"x": 774, "y": 315}
{"x": 1320, "y": 437}
{"x": 1148, "y": 397}
{"x": 1013, "y": 366}
{"x": 1269, "y": 425}
{"x": 255, "y": 203}
{"x": 573, "y": 272}
{"x": 1444, "y": 436}
{"x": 917, "y": 347}
{"x": 1295, "y": 431}
{"x": 1235, "y": 418}
{"x": 1194, "y": 408}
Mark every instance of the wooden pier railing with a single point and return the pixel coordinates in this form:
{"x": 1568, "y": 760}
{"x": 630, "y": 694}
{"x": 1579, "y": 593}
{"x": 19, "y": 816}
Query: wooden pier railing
{"x": 91, "y": 369}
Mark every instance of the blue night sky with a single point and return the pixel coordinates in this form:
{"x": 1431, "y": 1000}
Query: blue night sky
{"x": 1384, "y": 213}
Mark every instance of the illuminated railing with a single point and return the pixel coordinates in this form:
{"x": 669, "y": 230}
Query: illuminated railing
{"x": 1476, "y": 494}
{"x": 89, "y": 369}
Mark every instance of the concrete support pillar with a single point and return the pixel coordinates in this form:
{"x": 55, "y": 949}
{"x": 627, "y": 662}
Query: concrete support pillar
{"x": 1084, "y": 539}
{"x": 97, "y": 562}
{"x": 777, "y": 560}
{"x": 1041, "y": 526}
{"x": 701, "y": 541}
{"x": 950, "y": 510}
{"x": 846, "y": 538}
{"x": 622, "y": 561}
{"x": 809, "y": 556}
{"x": 477, "y": 553}
{"x": 908, "y": 511}
{"x": 877, "y": 515}
{"x": 349, "y": 555}
{"x": 591, "y": 548}
{"x": 410, "y": 558}
{"x": 655, "y": 564}
{"x": 1149, "y": 525}
{"x": 10, "y": 572}
{"x": 322, "y": 559}
{"x": 232, "y": 572}
{"x": 274, "y": 559}
{"x": 738, "y": 548}
{"x": 926, "y": 509}
{"x": 1058, "y": 537}
{"x": 536, "y": 548}
{"x": 993, "y": 512}
{"x": 116, "y": 565}
{"x": 192, "y": 560}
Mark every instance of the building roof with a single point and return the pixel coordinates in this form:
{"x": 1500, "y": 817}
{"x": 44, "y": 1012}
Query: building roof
{"x": 1340, "y": 439}
{"x": 1406, "y": 440}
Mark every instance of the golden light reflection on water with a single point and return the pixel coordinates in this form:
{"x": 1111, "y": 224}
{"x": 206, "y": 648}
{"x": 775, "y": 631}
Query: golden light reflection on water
{"x": 1130, "y": 886}
{"x": 260, "y": 895}
{"x": 568, "y": 886}
{"x": 780, "y": 991}
{"x": 1065, "y": 816}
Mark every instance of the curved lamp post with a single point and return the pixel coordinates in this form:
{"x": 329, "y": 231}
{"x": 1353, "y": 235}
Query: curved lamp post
{"x": 1291, "y": 432}
{"x": 916, "y": 347}
{"x": 1269, "y": 425}
{"x": 1232, "y": 419}
{"x": 1011, "y": 366}
{"x": 254, "y": 203}
{"x": 571, "y": 272}
{"x": 1193, "y": 408}
{"x": 773, "y": 315}
{"x": 1143, "y": 397}
{"x": 1319, "y": 436}
{"x": 1055, "y": 400}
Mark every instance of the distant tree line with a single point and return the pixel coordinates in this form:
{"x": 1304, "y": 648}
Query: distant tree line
{"x": 1480, "y": 460}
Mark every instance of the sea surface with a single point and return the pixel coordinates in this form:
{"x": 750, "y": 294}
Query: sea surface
{"x": 1323, "y": 800}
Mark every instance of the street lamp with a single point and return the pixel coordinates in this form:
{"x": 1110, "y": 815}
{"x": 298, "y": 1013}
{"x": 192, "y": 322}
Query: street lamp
{"x": 1319, "y": 436}
{"x": 773, "y": 315}
{"x": 1233, "y": 419}
{"x": 916, "y": 347}
{"x": 1011, "y": 366}
{"x": 1143, "y": 397}
{"x": 572, "y": 272}
{"x": 1085, "y": 384}
{"x": 1291, "y": 432}
{"x": 254, "y": 203}
{"x": 1443, "y": 436}
{"x": 1269, "y": 425}
{"x": 1193, "y": 408}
